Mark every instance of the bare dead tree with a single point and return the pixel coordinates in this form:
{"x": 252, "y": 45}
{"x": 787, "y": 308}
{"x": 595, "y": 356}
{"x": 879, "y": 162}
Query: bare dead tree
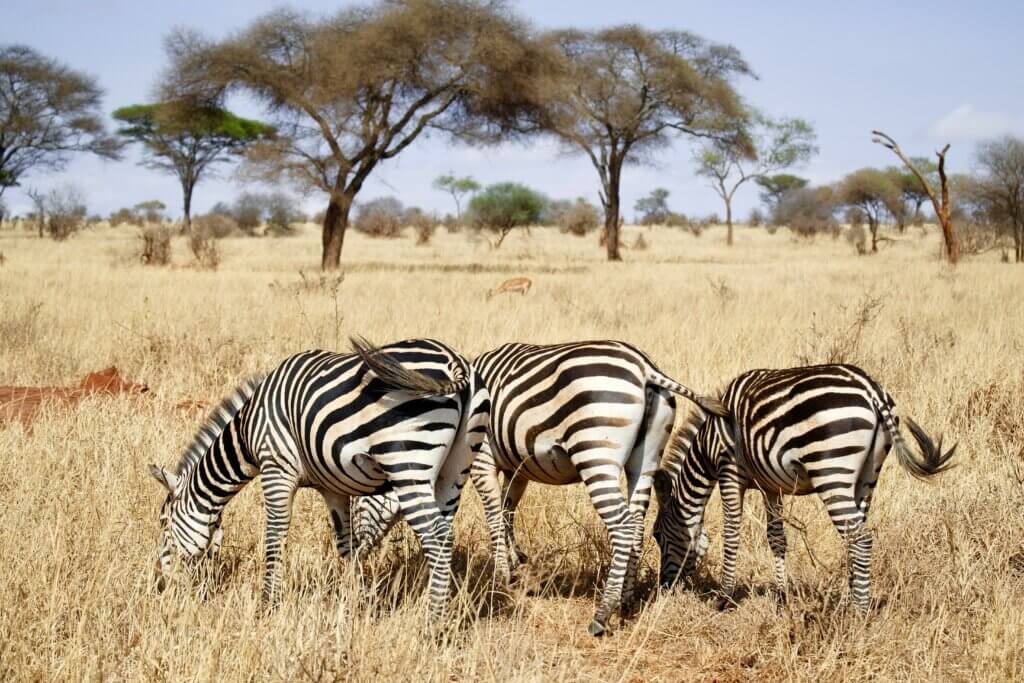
{"x": 941, "y": 204}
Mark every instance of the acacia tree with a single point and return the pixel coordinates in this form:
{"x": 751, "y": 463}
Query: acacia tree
{"x": 1001, "y": 185}
{"x": 350, "y": 91}
{"x": 619, "y": 93}
{"x": 940, "y": 201}
{"x": 653, "y": 208}
{"x": 777, "y": 145}
{"x": 912, "y": 188}
{"x": 47, "y": 113}
{"x": 775, "y": 187}
{"x": 873, "y": 192}
{"x": 457, "y": 188}
{"x": 186, "y": 140}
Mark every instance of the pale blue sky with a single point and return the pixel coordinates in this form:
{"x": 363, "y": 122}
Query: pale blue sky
{"x": 925, "y": 72}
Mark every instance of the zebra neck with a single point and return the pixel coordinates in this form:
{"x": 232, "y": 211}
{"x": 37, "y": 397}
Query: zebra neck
{"x": 221, "y": 472}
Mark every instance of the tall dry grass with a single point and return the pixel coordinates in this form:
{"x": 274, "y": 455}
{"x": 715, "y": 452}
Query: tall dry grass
{"x": 78, "y": 512}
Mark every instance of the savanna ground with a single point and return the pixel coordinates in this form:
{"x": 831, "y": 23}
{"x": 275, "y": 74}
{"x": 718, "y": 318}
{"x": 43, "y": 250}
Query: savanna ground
{"x": 78, "y": 511}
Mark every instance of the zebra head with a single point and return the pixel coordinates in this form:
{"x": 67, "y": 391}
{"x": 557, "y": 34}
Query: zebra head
{"x": 682, "y": 544}
{"x": 182, "y": 530}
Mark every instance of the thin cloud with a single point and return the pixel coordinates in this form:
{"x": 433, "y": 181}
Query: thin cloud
{"x": 969, "y": 124}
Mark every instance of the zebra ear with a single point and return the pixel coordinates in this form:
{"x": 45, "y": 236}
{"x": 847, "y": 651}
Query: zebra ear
{"x": 169, "y": 480}
{"x": 662, "y": 486}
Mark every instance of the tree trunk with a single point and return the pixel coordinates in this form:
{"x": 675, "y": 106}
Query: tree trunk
{"x": 873, "y": 225}
{"x": 611, "y": 214}
{"x": 335, "y": 224}
{"x": 728, "y": 222}
{"x": 186, "y": 224}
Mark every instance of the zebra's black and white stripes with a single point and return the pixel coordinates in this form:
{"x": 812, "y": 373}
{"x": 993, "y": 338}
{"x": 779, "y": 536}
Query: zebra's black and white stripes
{"x": 585, "y": 411}
{"x": 824, "y": 429}
{"x": 408, "y": 417}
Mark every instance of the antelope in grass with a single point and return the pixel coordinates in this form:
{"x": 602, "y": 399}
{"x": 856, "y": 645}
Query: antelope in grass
{"x": 516, "y": 284}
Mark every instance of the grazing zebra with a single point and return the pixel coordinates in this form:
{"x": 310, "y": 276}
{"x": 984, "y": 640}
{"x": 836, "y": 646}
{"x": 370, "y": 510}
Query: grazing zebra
{"x": 408, "y": 417}
{"x": 584, "y": 411}
{"x": 825, "y": 429}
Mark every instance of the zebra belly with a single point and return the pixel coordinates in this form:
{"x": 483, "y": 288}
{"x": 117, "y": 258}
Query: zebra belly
{"x": 547, "y": 465}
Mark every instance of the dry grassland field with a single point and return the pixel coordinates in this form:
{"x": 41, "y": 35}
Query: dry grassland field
{"x": 78, "y": 510}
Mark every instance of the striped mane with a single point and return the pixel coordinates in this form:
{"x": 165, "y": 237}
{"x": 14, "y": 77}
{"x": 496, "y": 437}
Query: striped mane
{"x": 681, "y": 439}
{"x": 215, "y": 423}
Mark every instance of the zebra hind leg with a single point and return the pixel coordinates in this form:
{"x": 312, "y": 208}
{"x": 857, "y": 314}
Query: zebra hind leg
{"x": 484, "y": 474}
{"x": 421, "y": 511}
{"x": 513, "y": 493}
{"x": 776, "y": 531}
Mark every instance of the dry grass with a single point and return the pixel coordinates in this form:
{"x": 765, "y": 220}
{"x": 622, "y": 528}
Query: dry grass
{"x": 79, "y": 513}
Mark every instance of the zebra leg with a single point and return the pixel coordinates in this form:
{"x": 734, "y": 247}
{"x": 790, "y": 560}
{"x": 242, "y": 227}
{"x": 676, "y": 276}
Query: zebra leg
{"x": 659, "y": 417}
{"x": 732, "y": 508}
{"x": 599, "y": 470}
{"x": 858, "y": 550}
{"x": 484, "y": 474}
{"x": 372, "y": 518}
{"x": 776, "y": 531}
{"x": 339, "y": 507}
{"x": 420, "y": 509}
{"x": 278, "y": 493}
{"x": 514, "y": 489}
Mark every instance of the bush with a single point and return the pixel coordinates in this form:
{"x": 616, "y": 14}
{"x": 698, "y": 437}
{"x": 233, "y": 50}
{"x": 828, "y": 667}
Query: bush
{"x": 64, "y": 211}
{"x": 653, "y": 208}
{"x": 423, "y": 223}
{"x": 806, "y": 211}
{"x": 756, "y": 218}
{"x": 214, "y": 225}
{"x": 451, "y": 223}
{"x": 204, "y": 248}
{"x": 248, "y": 212}
{"x": 858, "y": 237}
{"x": 124, "y": 216}
{"x": 281, "y": 213}
{"x": 575, "y": 218}
{"x": 381, "y": 217}
{"x": 155, "y": 245}
{"x": 505, "y": 206}
{"x": 854, "y": 216}
{"x": 151, "y": 211}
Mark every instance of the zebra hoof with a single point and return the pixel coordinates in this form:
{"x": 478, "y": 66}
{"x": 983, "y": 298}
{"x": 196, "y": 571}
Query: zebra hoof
{"x": 725, "y": 604}
{"x": 596, "y": 628}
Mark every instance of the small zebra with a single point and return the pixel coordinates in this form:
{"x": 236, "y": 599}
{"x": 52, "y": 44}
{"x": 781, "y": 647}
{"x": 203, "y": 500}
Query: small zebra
{"x": 825, "y": 429}
{"x": 407, "y": 418}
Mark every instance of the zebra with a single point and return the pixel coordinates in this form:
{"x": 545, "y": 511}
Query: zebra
{"x": 825, "y": 429}
{"x": 564, "y": 413}
{"x": 408, "y": 417}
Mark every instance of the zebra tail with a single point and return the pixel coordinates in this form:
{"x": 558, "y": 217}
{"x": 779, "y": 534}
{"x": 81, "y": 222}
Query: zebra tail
{"x": 933, "y": 461}
{"x": 708, "y": 403}
{"x": 396, "y": 376}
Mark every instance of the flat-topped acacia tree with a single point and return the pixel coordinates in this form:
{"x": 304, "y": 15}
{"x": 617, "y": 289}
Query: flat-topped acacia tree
{"x": 187, "y": 141}
{"x": 350, "y": 91}
{"x": 619, "y": 94}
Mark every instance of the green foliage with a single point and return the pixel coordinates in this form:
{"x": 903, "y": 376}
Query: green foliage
{"x": 773, "y": 187}
{"x": 504, "y": 206}
{"x": 653, "y": 208}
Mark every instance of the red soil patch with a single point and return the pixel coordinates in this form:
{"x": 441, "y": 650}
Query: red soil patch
{"x": 23, "y": 403}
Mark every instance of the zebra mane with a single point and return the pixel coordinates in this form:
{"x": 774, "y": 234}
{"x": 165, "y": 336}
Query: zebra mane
{"x": 215, "y": 423}
{"x": 681, "y": 439}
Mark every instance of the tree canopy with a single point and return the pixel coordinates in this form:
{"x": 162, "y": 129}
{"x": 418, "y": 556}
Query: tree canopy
{"x": 619, "y": 94}
{"x": 186, "y": 140}
{"x": 872, "y": 191}
{"x": 457, "y": 187}
{"x": 776, "y": 144}
{"x": 504, "y": 206}
{"x": 350, "y": 91}
{"x": 48, "y": 112}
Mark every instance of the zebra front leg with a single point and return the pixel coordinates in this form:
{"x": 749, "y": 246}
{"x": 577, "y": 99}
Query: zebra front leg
{"x": 421, "y": 511}
{"x": 339, "y": 507}
{"x": 372, "y": 518}
{"x": 484, "y": 474}
{"x": 514, "y": 490}
{"x": 278, "y": 493}
{"x": 776, "y": 531}
{"x": 732, "y": 509}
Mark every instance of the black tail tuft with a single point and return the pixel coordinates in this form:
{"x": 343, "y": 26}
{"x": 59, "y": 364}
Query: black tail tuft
{"x": 935, "y": 460}
{"x": 396, "y": 376}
